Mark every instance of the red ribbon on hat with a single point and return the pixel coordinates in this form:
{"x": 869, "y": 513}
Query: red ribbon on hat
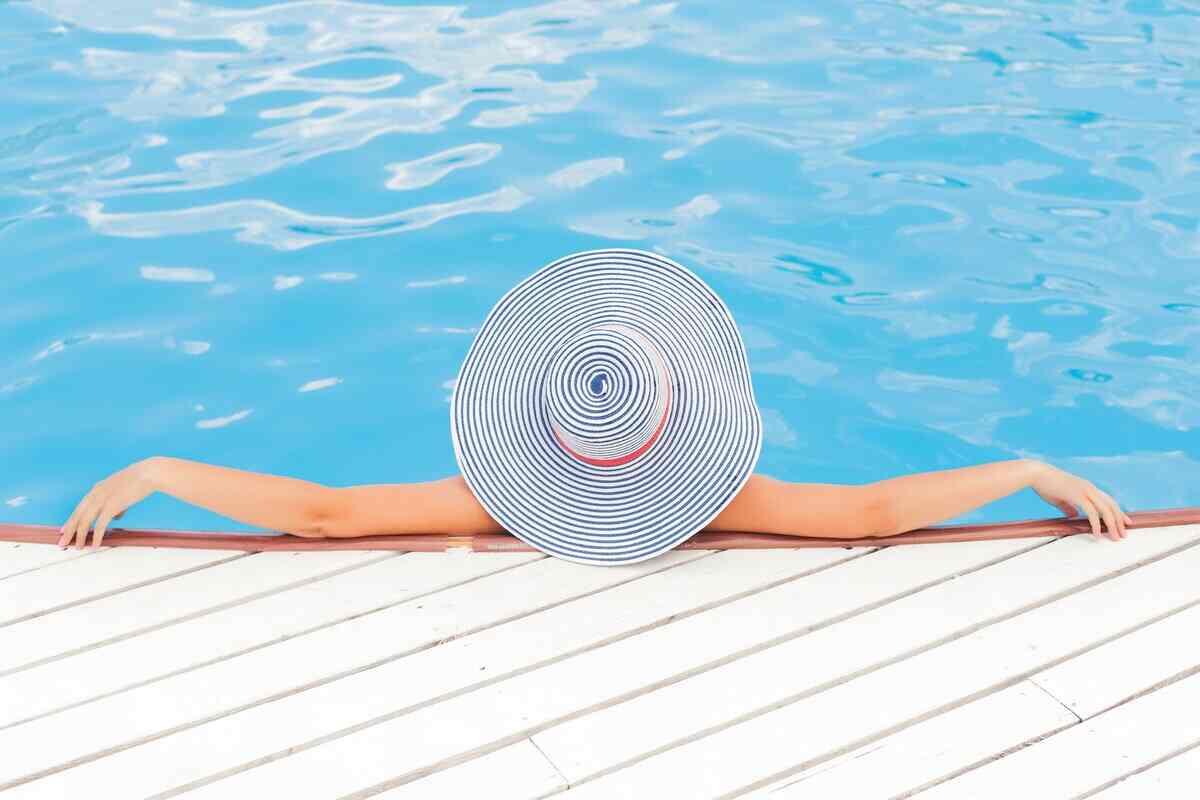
{"x": 619, "y": 460}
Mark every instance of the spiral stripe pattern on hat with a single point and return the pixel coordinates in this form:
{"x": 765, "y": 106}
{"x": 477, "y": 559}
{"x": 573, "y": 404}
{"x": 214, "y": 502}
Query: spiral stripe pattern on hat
{"x": 604, "y": 412}
{"x": 607, "y": 394}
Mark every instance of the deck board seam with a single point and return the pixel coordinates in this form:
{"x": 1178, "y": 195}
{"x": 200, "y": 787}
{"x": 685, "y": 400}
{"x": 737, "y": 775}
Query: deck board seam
{"x": 566, "y": 784}
{"x": 1053, "y": 696}
{"x": 1108, "y": 640}
{"x": 1183, "y": 674}
{"x": 966, "y": 768}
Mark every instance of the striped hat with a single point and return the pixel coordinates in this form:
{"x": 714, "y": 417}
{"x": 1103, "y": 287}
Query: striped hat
{"x": 604, "y": 412}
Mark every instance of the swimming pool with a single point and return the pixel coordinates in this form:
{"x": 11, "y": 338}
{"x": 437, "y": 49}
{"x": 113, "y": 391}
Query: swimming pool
{"x": 263, "y": 235}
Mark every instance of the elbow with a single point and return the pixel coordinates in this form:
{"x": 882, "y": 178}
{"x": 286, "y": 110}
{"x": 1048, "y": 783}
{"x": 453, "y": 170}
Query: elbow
{"x": 865, "y": 512}
{"x": 881, "y": 515}
{"x": 324, "y": 517}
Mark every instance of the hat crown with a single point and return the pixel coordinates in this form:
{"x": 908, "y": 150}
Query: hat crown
{"x": 607, "y": 394}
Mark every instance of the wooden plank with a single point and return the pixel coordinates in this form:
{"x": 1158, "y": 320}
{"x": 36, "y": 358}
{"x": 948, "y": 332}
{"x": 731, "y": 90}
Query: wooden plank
{"x": 363, "y": 651}
{"x": 516, "y": 772}
{"x": 18, "y": 558}
{"x": 499, "y": 714}
{"x": 1121, "y": 669}
{"x": 1173, "y": 779}
{"x": 930, "y": 751}
{"x": 802, "y": 730}
{"x": 107, "y": 571}
{"x": 1099, "y": 751}
{"x": 78, "y": 628}
{"x": 223, "y": 634}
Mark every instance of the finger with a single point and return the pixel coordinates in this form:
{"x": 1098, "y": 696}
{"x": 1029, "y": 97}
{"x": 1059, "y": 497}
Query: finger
{"x": 1126, "y": 519}
{"x": 63, "y": 531}
{"x": 73, "y": 532}
{"x": 1110, "y": 520}
{"x": 68, "y": 528}
{"x": 72, "y": 522}
{"x": 1117, "y": 514}
{"x": 79, "y": 535}
{"x": 101, "y": 526}
{"x": 1093, "y": 517}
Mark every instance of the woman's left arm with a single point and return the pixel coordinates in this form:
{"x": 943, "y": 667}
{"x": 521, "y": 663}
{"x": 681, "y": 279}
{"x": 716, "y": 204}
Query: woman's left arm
{"x": 895, "y": 505}
{"x": 923, "y": 498}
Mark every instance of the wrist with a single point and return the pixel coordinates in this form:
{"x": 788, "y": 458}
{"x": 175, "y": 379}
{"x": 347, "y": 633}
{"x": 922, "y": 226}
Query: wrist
{"x": 154, "y": 471}
{"x": 1034, "y": 469}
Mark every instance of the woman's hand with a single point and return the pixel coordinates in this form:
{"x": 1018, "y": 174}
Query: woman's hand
{"x": 108, "y": 500}
{"x": 1066, "y": 492}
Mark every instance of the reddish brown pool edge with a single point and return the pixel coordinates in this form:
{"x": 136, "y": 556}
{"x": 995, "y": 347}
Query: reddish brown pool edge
{"x": 492, "y": 542}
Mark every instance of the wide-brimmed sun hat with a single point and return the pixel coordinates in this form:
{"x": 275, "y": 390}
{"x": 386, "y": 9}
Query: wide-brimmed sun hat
{"x": 604, "y": 412}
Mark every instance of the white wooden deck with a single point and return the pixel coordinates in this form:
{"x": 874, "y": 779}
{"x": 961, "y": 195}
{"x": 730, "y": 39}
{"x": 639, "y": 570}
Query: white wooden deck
{"x": 1034, "y": 668}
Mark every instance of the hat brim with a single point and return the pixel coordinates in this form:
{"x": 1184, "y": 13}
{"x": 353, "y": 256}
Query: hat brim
{"x": 606, "y": 514}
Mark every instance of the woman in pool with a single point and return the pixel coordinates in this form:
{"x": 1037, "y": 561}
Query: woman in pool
{"x": 446, "y": 505}
{"x": 603, "y": 414}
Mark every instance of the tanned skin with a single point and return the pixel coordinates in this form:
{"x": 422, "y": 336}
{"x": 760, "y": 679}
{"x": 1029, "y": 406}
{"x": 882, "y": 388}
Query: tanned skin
{"x": 446, "y": 505}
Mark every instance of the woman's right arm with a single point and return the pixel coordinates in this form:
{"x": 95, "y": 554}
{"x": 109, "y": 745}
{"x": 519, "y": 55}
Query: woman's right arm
{"x": 274, "y": 502}
{"x": 280, "y": 503}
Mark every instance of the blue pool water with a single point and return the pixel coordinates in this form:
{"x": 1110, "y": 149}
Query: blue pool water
{"x": 263, "y": 235}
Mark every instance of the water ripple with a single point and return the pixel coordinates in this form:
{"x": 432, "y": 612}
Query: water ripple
{"x": 265, "y": 222}
{"x": 950, "y": 231}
